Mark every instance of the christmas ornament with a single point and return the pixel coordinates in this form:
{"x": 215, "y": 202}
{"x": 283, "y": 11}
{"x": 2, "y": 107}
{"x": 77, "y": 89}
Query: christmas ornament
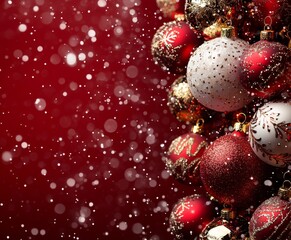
{"x": 213, "y": 76}
{"x": 190, "y": 215}
{"x": 184, "y": 156}
{"x": 227, "y": 226}
{"x": 171, "y": 8}
{"x": 214, "y": 30}
{"x": 231, "y": 172}
{"x": 272, "y": 219}
{"x": 277, "y": 11}
{"x": 270, "y": 133}
{"x": 183, "y": 104}
{"x": 265, "y": 67}
{"x": 173, "y": 44}
{"x": 204, "y": 13}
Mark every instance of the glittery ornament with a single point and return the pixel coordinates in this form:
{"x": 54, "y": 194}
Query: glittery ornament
{"x": 183, "y": 104}
{"x": 171, "y": 8}
{"x": 265, "y": 68}
{"x": 204, "y": 13}
{"x": 231, "y": 172}
{"x": 213, "y": 76}
{"x": 173, "y": 44}
{"x": 272, "y": 220}
{"x": 184, "y": 157}
{"x": 190, "y": 215}
{"x": 227, "y": 226}
{"x": 270, "y": 133}
{"x": 214, "y": 30}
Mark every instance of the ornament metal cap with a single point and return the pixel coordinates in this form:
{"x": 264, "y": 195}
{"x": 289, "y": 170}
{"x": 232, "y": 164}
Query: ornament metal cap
{"x": 285, "y": 191}
{"x": 268, "y": 35}
{"x": 179, "y": 17}
{"x": 240, "y": 125}
{"x": 227, "y": 214}
{"x": 228, "y": 32}
{"x": 198, "y": 128}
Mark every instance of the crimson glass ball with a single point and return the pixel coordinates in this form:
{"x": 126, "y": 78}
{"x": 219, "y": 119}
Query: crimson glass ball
{"x": 231, "y": 172}
{"x": 190, "y": 215}
{"x": 265, "y": 68}
{"x": 271, "y": 220}
{"x": 173, "y": 44}
{"x": 184, "y": 157}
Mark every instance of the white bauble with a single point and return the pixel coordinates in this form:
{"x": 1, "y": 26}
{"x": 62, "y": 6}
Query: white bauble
{"x": 270, "y": 133}
{"x": 213, "y": 74}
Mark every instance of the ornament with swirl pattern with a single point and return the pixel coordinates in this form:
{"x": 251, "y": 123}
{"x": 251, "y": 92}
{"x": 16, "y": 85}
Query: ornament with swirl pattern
{"x": 270, "y": 133}
{"x": 173, "y": 44}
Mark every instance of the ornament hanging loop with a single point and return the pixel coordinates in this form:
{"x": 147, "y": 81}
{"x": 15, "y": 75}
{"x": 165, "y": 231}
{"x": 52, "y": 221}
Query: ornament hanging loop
{"x": 285, "y": 190}
{"x": 198, "y": 127}
{"x": 228, "y": 31}
{"x": 267, "y": 34}
{"x": 241, "y": 125}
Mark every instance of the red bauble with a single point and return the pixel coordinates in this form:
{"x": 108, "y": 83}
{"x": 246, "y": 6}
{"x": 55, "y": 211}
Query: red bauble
{"x": 184, "y": 157}
{"x": 171, "y": 8}
{"x": 271, "y": 220}
{"x": 190, "y": 215}
{"x": 231, "y": 172}
{"x": 265, "y": 68}
{"x": 173, "y": 44}
{"x": 272, "y": 12}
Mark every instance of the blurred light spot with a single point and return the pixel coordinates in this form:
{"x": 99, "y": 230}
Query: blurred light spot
{"x": 110, "y": 125}
{"x": 130, "y": 174}
{"x": 71, "y": 182}
{"x": 22, "y": 27}
{"x": 132, "y": 71}
{"x": 60, "y": 208}
{"x": 24, "y": 145}
{"x": 101, "y": 3}
{"x": 18, "y": 138}
{"x": 71, "y": 59}
{"x": 6, "y": 156}
{"x": 137, "y": 228}
{"x": 40, "y": 104}
{"x": 268, "y": 183}
{"x": 138, "y": 157}
{"x": 91, "y": 33}
{"x": 34, "y": 231}
{"x": 122, "y": 226}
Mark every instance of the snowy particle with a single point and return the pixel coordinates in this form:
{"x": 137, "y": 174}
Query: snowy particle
{"x": 122, "y": 226}
{"x": 6, "y": 156}
{"x": 137, "y": 228}
{"x": 71, "y": 182}
{"x": 18, "y": 138}
{"x": 34, "y": 231}
{"x": 24, "y": 145}
{"x": 22, "y": 27}
{"x": 91, "y": 33}
{"x": 53, "y": 185}
{"x": 101, "y": 3}
{"x": 268, "y": 183}
{"x": 71, "y": 59}
{"x": 132, "y": 71}
{"x": 110, "y": 125}
{"x": 60, "y": 208}
{"x": 89, "y": 76}
{"x": 40, "y": 104}
{"x": 43, "y": 172}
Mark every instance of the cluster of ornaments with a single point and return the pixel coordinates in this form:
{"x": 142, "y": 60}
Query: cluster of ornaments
{"x": 233, "y": 62}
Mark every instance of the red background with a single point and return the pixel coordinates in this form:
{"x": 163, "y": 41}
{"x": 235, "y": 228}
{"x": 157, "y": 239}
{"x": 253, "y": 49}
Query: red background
{"x": 116, "y": 171}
